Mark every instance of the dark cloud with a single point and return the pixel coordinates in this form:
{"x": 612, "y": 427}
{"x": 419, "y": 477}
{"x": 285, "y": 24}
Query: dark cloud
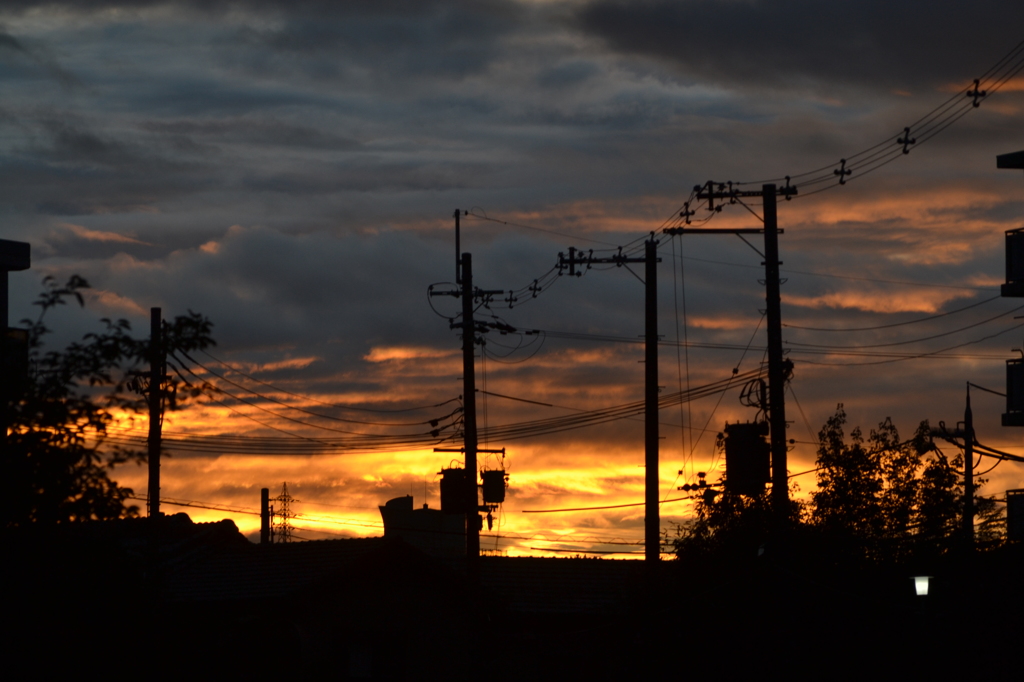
{"x": 444, "y": 38}
{"x": 65, "y": 168}
{"x": 370, "y": 176}
{"x": 806, "y": 43}
{"x": 567, "y": 74}
{"x": 39, "y": 58}
{"x": 327, "y": 8}
{"x": 449, "y": 39}
{"x": 199, "y": 96}
{"x": 8, "y": 42}
{"x": 264, "y": 131}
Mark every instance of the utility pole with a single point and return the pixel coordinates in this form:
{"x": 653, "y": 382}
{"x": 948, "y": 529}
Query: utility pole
{"x": 469, "y": 295}
{"x": 652, "y": 484}
{"x": 968, "y": 519}
{"x": 778, "y": 367}
{"x": 156, "y": 375}
{"x": 469, "y": 417}
{"x": 576, "y": 263}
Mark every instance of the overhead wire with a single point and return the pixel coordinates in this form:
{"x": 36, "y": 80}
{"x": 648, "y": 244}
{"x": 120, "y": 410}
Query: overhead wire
{"x": 302, "y": 410}
{"x": 894, "y": 324}
{"x": 906, "y": 342}
{"x": 897, "y": 358}
{"x": 934, "y": 122}
{"x": 483, "y": 216}
{"x": 235, "y": 369}
{"x": 367, "y": 443}
{"x": 679, "y": 364}
{"x": 788, "y": 271}
{"x": 279, "y": 415}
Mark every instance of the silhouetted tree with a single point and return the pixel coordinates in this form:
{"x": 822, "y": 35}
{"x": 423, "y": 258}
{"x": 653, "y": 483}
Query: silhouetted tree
{"x": 940, "y": 503}
{"x": 878, "y": 499}
{"x": 57, "y": 462}
{"x": 728, "y": 527}
{"x": 884, "y": 498}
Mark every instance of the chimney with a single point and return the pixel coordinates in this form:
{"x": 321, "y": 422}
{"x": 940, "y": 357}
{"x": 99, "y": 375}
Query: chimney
{"x": 265, "y": 516}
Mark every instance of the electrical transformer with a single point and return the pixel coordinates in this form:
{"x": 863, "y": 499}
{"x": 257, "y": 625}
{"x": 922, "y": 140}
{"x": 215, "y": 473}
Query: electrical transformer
{"x": 454, "y": 495}
{"x": 747, "y": 458}
{"x": 494, "y": 483}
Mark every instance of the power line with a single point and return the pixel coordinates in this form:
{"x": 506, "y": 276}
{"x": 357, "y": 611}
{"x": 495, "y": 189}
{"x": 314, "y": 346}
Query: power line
{"x": 335, "y": 405}
{"x": 899, "y": 358}
{"x": 873, "y": 158}
{"x": 787, "y": 271}
{"x": 361, "y": 436}
{"x": 895, "y": 324}
{"x": 610, "y": 506}
{"x": 432, "y": 422}
{"x": 272, "y": 446}
{"x": 904, "y": 343}
{"x": 483, "y": 216}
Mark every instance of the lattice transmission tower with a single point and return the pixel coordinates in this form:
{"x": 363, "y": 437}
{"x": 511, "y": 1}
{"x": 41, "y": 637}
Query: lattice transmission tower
{"x": 282, "y": 525}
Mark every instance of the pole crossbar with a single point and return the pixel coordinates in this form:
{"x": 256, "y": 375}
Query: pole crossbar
{"x": 703, "y": 193}
{"x": 577, "y": 258}
{"x": 576, "y": 262}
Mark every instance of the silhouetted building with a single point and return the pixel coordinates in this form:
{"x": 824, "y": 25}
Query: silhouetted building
{"x": 1015, "y": 515}
{"x": 432, "y": 531}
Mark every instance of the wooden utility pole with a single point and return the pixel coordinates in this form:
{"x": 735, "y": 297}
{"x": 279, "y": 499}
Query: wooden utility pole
{"x": 652, "y": 484}
{"x": 156, "y": 372}
{"x": 778, "y": 367}
{"x": 469, "y": 417}
{"x": 469, "y": 294}
{"x": 576, "y": 263}
{"x": 968, "y": 518}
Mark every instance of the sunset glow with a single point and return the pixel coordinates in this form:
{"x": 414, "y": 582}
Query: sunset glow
{"x": 293, "y": 177}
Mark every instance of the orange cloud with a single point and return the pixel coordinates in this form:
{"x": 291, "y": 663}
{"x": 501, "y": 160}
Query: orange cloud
{"x": 99, "y": 236}
{"x": 386, "y": 354}
{"x": 114, "y": 303}
{"x": 290, "y": 363}
{"x": 921, "y": 301}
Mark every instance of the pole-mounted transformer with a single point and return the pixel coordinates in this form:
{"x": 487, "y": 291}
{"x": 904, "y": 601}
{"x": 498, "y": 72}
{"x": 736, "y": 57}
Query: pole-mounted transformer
{"x": 494, "y": 483}
{"x": 454, "y": 482}
{"x": 747, "y": 458}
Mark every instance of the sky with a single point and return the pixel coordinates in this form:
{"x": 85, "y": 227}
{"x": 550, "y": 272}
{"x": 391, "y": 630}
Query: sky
{"x": 290, "y": 170}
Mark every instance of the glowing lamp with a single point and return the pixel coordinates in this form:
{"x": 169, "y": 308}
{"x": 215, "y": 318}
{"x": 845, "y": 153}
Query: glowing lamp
{"x": 921, "y": 584}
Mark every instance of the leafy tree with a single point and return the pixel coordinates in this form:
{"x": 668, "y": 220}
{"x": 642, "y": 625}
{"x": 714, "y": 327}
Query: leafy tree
{"x": 884, "y": 498}
{"x": 878, "y": 499}
{"x": 727, "y": 527}
{"x": 848, "y": 499}
{"x": 731, "y": 528}
{"x": 57, "y": 463}
{"x": 940, "y": 503}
